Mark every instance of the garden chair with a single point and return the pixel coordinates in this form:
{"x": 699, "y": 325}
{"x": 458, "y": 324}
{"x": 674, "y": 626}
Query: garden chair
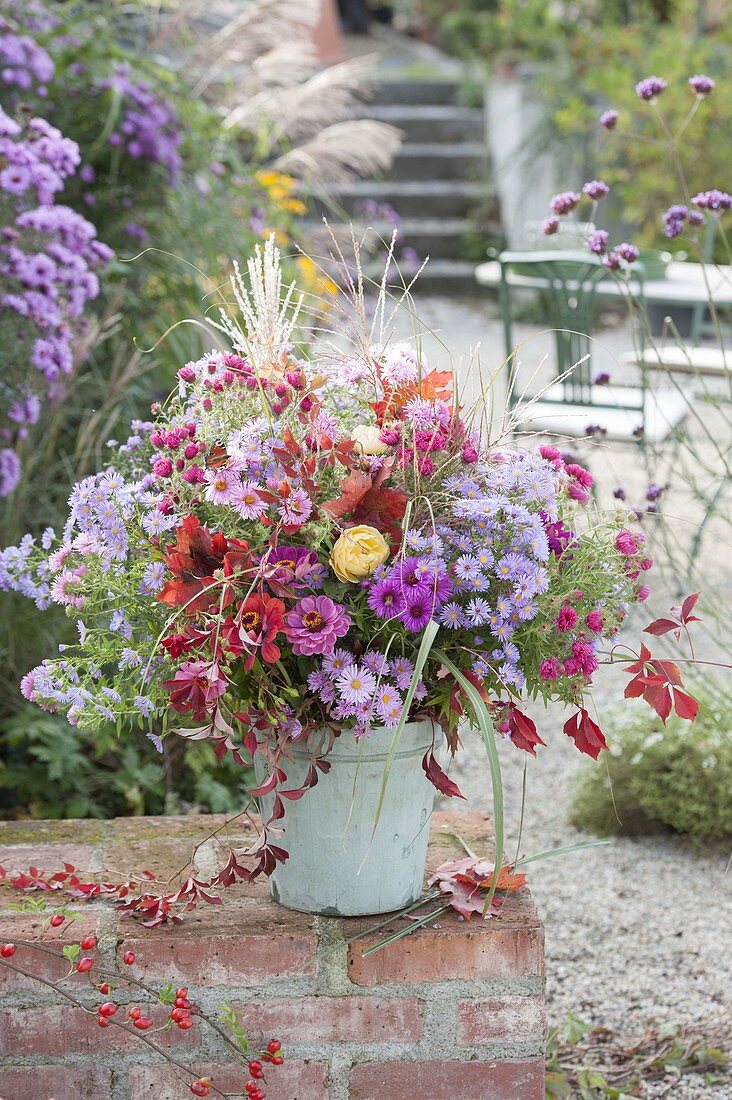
{"x": 569, "y": 281}
{"x": 677, "y": 358}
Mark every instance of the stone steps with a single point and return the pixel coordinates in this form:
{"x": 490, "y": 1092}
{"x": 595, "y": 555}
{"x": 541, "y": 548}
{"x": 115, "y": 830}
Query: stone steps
{"x": 431, "y": 123}
{"x": 414, "y": 198}
{"x": 440, "y": 161}
{"x": 423, "y": 92}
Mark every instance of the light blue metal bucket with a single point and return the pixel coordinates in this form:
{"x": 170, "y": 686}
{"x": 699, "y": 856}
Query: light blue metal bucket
{"x": 338, "y": 865}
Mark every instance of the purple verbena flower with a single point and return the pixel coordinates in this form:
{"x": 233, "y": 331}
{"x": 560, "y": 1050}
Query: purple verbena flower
{"x": 596, "y": 189}
{"x": 701, "y": 85}
{"x": 650, "y": 87}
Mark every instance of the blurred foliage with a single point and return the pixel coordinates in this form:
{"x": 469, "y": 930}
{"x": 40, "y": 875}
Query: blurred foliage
{"x": 676, "y": 777}
{"x": 176, "y": 213}
{"x": 588, "y": 56}
{"x": 54, "y": 770}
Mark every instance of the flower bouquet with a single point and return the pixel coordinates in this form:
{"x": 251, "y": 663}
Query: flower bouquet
{"x": 320, "y": 566}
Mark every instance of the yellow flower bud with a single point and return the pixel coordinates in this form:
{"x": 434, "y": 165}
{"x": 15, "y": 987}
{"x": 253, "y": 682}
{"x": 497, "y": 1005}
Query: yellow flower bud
{"x": 357, "y": 553}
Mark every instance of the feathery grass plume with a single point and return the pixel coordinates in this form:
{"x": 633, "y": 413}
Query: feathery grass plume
{"x": 326, "y": 97}
{"x": 263, "y": 26}
{"x": 269, "y": 316}
{"x": 342, "y": 152}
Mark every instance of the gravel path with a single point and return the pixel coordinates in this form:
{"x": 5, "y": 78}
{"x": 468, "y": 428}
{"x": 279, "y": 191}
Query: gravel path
{"x": 639, "y": 931}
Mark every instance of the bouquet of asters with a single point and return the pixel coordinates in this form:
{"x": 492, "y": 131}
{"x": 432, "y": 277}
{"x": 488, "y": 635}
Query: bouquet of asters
{"x": 294, "y": 550}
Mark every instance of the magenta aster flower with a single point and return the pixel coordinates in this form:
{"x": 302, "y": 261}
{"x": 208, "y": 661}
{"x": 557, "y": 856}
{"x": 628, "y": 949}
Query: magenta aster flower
{"x": 418, "y": 608}
{"x": 566, "y": 619}
{"x": 385, "y": 598}
{"x": 315, "y": 624}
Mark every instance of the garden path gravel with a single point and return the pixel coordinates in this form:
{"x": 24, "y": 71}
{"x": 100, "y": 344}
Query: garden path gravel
{"x": 639, "y": 931}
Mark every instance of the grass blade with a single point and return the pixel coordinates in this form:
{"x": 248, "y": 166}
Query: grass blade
{"x": 483, "y": 719}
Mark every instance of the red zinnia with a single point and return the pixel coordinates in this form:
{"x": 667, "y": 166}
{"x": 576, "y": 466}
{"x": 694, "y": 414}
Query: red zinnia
{"x": 260, "y": 619}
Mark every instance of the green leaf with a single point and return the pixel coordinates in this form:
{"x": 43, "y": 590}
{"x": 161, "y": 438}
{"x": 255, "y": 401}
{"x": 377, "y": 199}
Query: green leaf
{"x": 71, "y": 952}
{"x": 166, "y": 995}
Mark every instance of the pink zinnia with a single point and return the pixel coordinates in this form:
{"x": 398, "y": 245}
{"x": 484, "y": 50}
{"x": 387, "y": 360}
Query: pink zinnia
{"x": 566, "y": 619}
{"x": 625, "y": 543}
{"x": 315, "y": 624}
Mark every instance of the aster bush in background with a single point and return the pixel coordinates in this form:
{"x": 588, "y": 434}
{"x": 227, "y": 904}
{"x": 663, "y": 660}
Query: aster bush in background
{"x": 48, "y": 257}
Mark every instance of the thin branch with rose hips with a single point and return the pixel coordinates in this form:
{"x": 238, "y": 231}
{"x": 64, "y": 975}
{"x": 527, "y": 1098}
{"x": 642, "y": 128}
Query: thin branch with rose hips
{"x": 106, "y": 1014}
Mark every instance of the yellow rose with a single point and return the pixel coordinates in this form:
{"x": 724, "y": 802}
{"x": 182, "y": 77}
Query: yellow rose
{"x": 357, "y": 553}
{"x": 368, "y": 437}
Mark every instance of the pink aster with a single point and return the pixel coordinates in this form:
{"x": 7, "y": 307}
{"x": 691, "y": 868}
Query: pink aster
{"x": 315, "y": 624}
{"x": 549, "y": 669}
{"x": 580, "y": 482}
{"x": 221, "y": 485}
{"x": 566, "y": 619}
{"x": 248, "y": 502}
{"x": 296, "y": 509}
{"x": 625, "y": 543}
{"x": 594, "y": 622}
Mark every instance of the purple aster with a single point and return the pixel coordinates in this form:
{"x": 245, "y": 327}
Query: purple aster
{"x": 356, "y": 685}
{"x": 385, "y": 598}
{"x": 375, "y": 662}
{"x": 478, "y": 611}
{"x": 389, "y": 705}
{"x": 650, "y": 87}
{"x": 701, "y": 85}
{"x": 609, "y": 119}
{"x": 451, "y": 616}
{"x": 596, "y": 189}
{"x": 597, "y": 241}
{"x": 565, "y": 202}
{"x": 314, "y": 625}
{"x": 402, "y": 669}
{"x": 559, "y": 537}
{"x": 417, "y": 610}
{"x": 467, "y": 567}
{"x": 335, "y": 662}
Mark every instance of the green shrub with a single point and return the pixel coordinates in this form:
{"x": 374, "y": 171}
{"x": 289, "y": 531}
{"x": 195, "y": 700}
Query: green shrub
{"x": 54, "y": 770}
{"x": 676, "y": 778}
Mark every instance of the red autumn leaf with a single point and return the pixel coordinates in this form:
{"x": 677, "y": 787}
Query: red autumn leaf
{"x": 661, "y": 702}
{"x": 586, "y": 734}
{"x": 687, "y": 607}
{"x": 668, "y": 671}
{"x": 522, "y": 731}
{"x": 353, "y": 489}
{"x": 383, "y": 509}
{"x": 661, "y": 626}
{"x": 685, "y": 705}
{"x": 639, "y": 665}
{"x": 437, "y": 777}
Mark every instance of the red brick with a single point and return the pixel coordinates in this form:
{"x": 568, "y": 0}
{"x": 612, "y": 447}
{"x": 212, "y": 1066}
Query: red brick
{"x": 49, "y": 858}
{"x": 292, "y": 1081}
{"x": 58, "y": 1030}
{"x": 518, "y": 1019}
{"x": 510, "y": 945}
{"x": 449, "y": 1081}
{"x": 62, "y": 1082}
{"x": 337, "y": 1019}
{"x": 15, "y": 927}
{"x": 225, "y": 945}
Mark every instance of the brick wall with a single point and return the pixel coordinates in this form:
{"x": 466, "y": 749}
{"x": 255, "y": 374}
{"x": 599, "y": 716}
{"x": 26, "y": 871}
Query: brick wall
{"x": 454, "y": 1011}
